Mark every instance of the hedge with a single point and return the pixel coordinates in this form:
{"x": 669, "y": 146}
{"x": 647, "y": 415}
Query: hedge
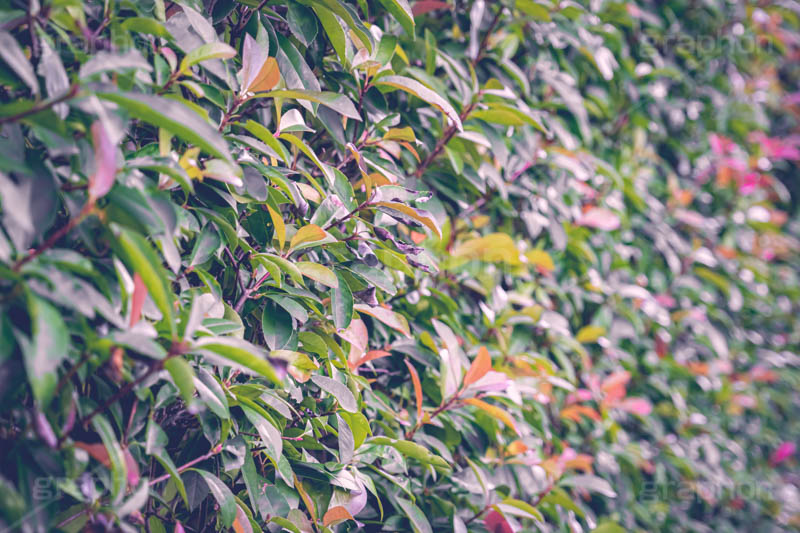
{"x": 333, "y": 265}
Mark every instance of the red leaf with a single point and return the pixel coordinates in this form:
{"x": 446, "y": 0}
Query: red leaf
{"x": 132, "y": 467}
{"x": 105, "y": 162}
{"x": 637, "y": 406}
{"x": 426, "y": 6}
{"x": 496, "y": 523}
{"x": 137, "y": 300}
{"x": 599, "y": 218}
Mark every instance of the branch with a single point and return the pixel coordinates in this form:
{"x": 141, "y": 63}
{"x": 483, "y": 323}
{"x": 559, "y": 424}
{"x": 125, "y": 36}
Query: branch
{"x": 246, "y": 18}
{"x": 56, "y": 236}
{"x": 451, "y": 131}
{"x": 248, "y": 292}
{"x": 121, "y": 393}
{"x": 42, "y": 106}
{"x": 442, "y": 142}
{"x": 439, "y": 410}
{"x": 211, "y": 453}
{"x": 348, "y": 216}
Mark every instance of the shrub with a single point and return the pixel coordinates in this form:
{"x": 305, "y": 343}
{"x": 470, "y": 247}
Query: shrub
{"x": 322, "y": 265}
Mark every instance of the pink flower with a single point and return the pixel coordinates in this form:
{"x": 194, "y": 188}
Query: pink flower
{"x": 792, "y": 99}
{"x": 720, "y": 145}
{"x": 637, "y": 406}
{"x": 734, "y": 163}
{"x": 749, "y": 183}
{"x": 783, "y": 452}
{"x": 776, "y": 147}
{"x": 599, "y": 218}
{"x": 666, "y": 300}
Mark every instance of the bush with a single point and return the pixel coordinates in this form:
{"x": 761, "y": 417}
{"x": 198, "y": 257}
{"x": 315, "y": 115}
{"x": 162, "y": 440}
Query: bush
{"x": 335, "y": 266}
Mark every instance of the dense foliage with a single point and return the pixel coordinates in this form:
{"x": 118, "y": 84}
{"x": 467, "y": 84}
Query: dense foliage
{"x": 380, "y": 265}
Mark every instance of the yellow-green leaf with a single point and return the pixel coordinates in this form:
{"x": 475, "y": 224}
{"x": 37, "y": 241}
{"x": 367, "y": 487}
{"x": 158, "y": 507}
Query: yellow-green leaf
{"x": 589, "y": 334}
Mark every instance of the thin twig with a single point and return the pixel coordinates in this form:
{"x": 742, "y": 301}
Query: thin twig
{"x": 41, "y": 106}
{"x": 452, "y": 130}
{"x": 56, "y": 236}
{"x": 249, "y": 292}
{"x": 211, "y": 453}
{"x": 439, "y": 410}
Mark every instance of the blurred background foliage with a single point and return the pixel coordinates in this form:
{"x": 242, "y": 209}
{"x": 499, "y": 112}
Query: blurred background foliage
{"x": 392, "y": 265}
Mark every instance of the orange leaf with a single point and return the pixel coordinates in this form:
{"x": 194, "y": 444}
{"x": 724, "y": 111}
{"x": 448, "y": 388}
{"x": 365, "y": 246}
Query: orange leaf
{"x": 581, "y": 461}
{"x": 574, "y": 412}
{"x": 417, "y": 388}
{"x": 268, "y": 77}
{"x": 336, "y": 515}
{"x": 97, "y": 450}
{"x": 614, "y": 386}
{"x": 369, "y": 356}
{"x": 306, "y": 499}
{"x": 410, "y": 149}
{"x": 516, "y": 448}
{"x": 137, "y": 300}
{"x": 420, "y": 215}
{"x": 241, "y": 524}
{"x": 494, "y": 411}
{"x": 480, "y": 366}
{"x": 115, "y": 363}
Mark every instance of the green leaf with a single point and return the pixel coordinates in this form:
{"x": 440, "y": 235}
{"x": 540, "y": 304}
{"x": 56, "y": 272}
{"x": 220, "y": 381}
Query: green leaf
{"x": 165, "y": 461}
{"x": 266, "y": 429}
{"x": 423, "y": 93}
{"x": 344, "y": 190}
{"x": 14, "y": 57}
{"x": 318, "y": 273}
{"x": 206, "y": 245}
{"x": 286, "y": 266}
{"x": 276, "y": 325}
{"x": 45, "y": 350}
{"x": 558, "y": 496}
{"x": 174, "y": 117}
{"x": 533, "y": 9}
{"x": 140, "y": 257}
{"x": 401, "y": 11}
{"x": 302, "y": 23}
{"x": 119, "y": 471}
{"x": 527, "y": 510}
{"x": 145, "y": 25}
{"x": 211, "y": 393}
{"x": 223, "y": 495}
{"x": 419, "y": 522}
{"x": 183, "y": 376}
{"x": 350, "y": 17}
{"x": 412, "y": 450}
{"x": 240, "y": 352}
{"x": 338, "y": 102}
{"x": 265, "y": 136}
{"x": 136, "y": 501}
{"x": 334, "y": 30}
{"x": 338, "y": 390}
{"x": 341, "y": 303}
{"x": 205, "y": 52}
{"x": 609, "y": 527}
